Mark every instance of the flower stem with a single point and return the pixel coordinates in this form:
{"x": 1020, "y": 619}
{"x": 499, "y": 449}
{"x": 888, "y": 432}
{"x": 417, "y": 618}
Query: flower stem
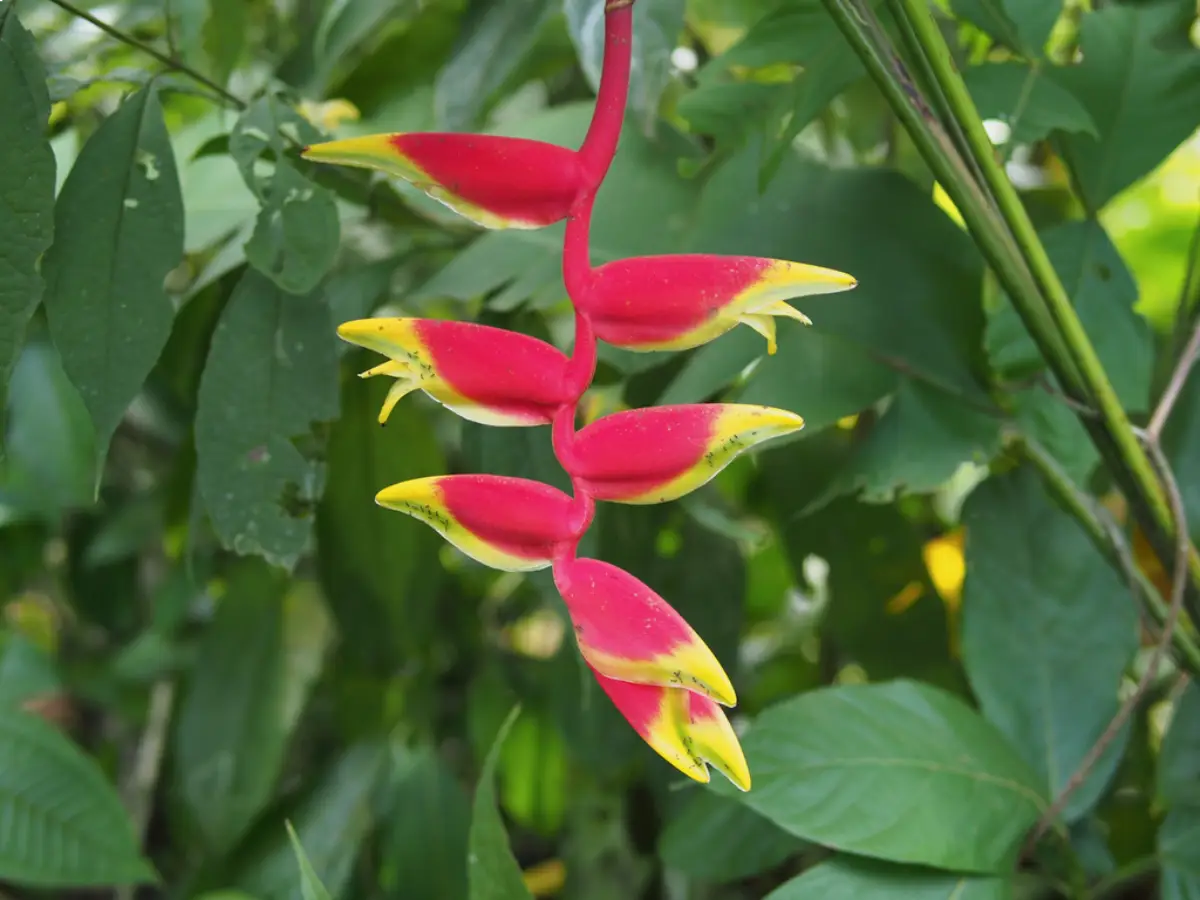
{"x": 600, "y": 143}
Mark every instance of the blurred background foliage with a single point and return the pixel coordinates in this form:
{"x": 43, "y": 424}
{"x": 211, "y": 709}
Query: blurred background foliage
{"x": 199, "y": 593}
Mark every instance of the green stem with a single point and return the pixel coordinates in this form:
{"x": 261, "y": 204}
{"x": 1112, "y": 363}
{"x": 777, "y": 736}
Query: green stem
{"x": 1107, "y": 540}
{"x": 1132, "y": 460}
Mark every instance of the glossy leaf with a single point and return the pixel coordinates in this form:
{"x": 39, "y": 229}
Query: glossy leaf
{"x": 118, "y": 232}
{"x": 947, "y": 790}
{"x": 848, "y": 878}
{"x": 26, "y": 189}
{"x": 271, "y": 375}
{"x": 230, "y": 731}
{"x": 492, "y": 871}
{"x": 64, "y": 825}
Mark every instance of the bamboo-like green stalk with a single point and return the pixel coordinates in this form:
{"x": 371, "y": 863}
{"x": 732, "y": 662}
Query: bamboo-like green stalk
{"x": 1095, "y": 380}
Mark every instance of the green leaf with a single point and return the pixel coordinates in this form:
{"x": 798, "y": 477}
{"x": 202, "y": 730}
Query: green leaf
{"x": 1181, "y": 441}
{"x": 224, "y": 36}
{"x": 26, "y": 191}
{"x": 1179, "y": 761}
{"x": 718, "y": 839}
{"x": 915, "y": 311}
{"x": 348, "y": 24}
{"x": 379, "y": 567}
{"x": 1179, "y": 854}
{"x": 946, "y": 789}
{"x": 20, "y": 43}
{"x": 493, "y": 40}
{"x": 1140, "y": 81}
{"x": 272, "y": 373}
{"x": 310, "y": 885}
{"x": 657, "y": 25}
{"x": 1104, "y": 293}
{"x": 1030, "y": 103}
{"x": 118, "y": 233}
{"x": 64, "y": 826}
{"x": 916, "y": 446}
{"x": 26, "y": 672}
{"x": 425, "y": 841}
{"x": 847, "y": 878}
{"x": 492, "y": 871}
{"x": 533, "y": 774}
{"x": 1057, "y": 428}
{"x": 1023, "y": 25}
{"x": 295, "y": 239}
{"x": 1038, "y": 599}
{"x": 331, "y": 823}
{"x": 231, "y": 732}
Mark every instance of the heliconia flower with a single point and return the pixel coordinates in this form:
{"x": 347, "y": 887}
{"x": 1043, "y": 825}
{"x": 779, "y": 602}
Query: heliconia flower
{"x": 511, "y": 524}
{"x": 685, "y": 728}
{"x": 627, "y": 632}
{"x": 661, "y": 453}
{"x": 678, "y": 302}
{"x": 486, "y": 375}
{"x": 495, "y": 182}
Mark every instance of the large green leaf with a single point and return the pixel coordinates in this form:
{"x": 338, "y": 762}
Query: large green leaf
{"x": 1140, "y": 81}
{"x": 916, "y": 311}
{"x": 231, "y": 731}
{"x": 1023, "y": 25}
{"x": 1038, "y": 600}
{"x": 378, "y": 567}
{"x": 1179, "y": 760}
{"x": 118, "y": 231}
{"x": 899, "y": 771}
{"x": 847, "y": 878}
{"x": 272, "y": 373}
{"x": 1104, "y": 293}
{"x": 715, "y": 838}
{"x": 425, "y": 838}
{"x": 492, "y": 42}
{"x": 492, "y": 871}
{"x": 1179, "y": 854}
{"x": 295, "y": 239}
{"x": 20, "y": 43}
{"x": 26, "y": 191}
{"x": 657, "y": 25}
{"x": 1022, "y": 96}
{"x": 331, "y": 822}
{"x": 64, "y": 825}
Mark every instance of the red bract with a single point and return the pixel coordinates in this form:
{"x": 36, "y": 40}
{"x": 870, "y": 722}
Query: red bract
{"x": 511, "y": 524}
{"x": 679, "y": 448}
{"x": 495, "y": 182}
{"x": 653, "y": 665}
{"x": 678, "y": 302}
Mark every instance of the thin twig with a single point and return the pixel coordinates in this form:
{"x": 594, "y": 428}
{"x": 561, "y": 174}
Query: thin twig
{"x": 1178, "y": 585}
{"x": 147, "y": 764}
{"x": 173, "y": 65}
{"x": 1174, "y": 387}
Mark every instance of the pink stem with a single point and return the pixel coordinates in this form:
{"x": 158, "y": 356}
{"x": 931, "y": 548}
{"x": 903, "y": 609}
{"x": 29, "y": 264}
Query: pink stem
{"x": 600, "y": 144}
{"x": 582, "y": 368}
{"x": 577, "y": 262}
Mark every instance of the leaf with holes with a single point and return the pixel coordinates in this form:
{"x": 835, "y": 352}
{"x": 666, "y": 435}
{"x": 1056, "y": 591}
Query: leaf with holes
{"x": 118, "y": 231}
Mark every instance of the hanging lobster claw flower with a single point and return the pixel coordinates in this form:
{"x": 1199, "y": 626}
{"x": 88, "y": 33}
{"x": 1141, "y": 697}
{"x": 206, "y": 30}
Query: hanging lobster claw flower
{"x": 495, "y": 182}
{"x": 627, "y": 632}
{"x": 678, "y": 302}
{"x": 661, "y": 453}
{"x": 686, "y": 729}
{"x": 511, "y": 524}
{"x": 486, "y": 375}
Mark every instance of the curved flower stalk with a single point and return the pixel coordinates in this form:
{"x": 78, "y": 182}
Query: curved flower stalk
{"x": 653, "y": 666}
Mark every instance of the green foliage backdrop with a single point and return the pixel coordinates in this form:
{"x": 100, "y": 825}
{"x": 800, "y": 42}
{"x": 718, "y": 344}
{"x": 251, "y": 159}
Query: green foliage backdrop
{"x": 947, "y": 606}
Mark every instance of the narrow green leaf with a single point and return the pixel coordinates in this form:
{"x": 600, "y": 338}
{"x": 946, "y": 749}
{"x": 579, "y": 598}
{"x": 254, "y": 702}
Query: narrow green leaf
{"x": 719, "y": 839}
{"x": 224, "y": 36}
{"x": 26, "y": 194}
{"x": 1179, "y": 761}
{"x": 118, "y": 233}
{"x": 64, "y": 826}
{"x": 331, "y": 822}
{"x": 945, "y": 788}
{"x": 310, "y": 885}
{"x": 23, "y": 48}
{"x": 492, "y": 871}
{"x": 1181, "y": 440}
{"x": 1039, "y": 598}
{"x": 349, "y": 24}
{"x": 425, "y": 839}
{"x": 1024, "y": 25}
{"x": 657, "y": 25}
{"x": 847, "y": 878}
{"x": 1029, "y": 102}
{"x": 230, "y": 734}
{"x": 271, "y": 374}
{"x": 295, "y": 239}
{"x": 1140, "y": 81}
{"x": 492, "y": 42}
